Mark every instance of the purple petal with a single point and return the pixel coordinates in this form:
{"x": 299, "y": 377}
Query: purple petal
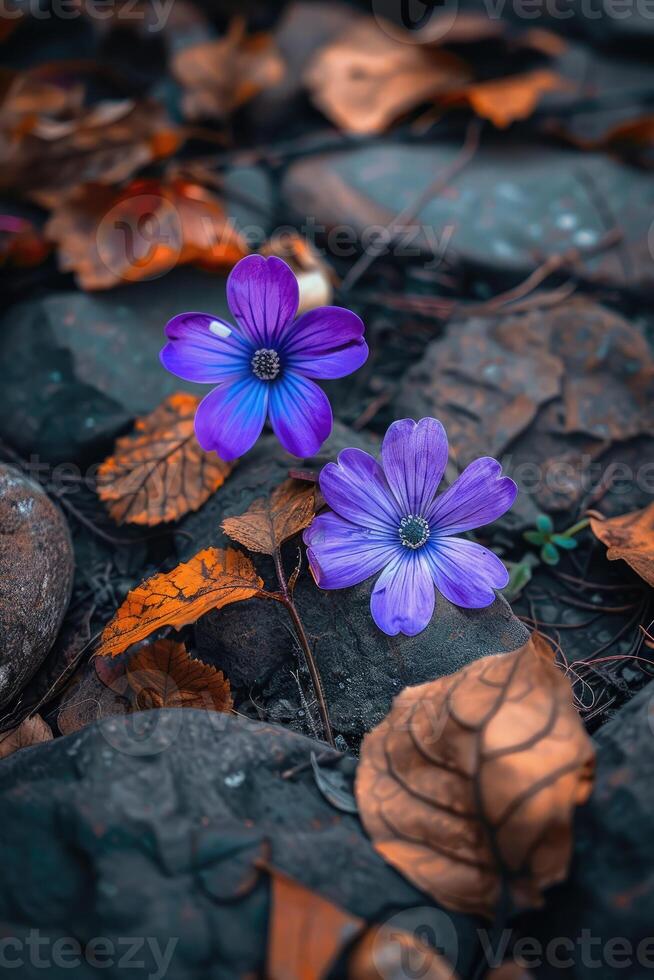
{"x": 465, "y": 572}
{"x": 356, "y": 488}
{"x": 263, "y": 296}
{"x": 342, "y": 554}
{"x": 205, "y": 349}
{"x": 403, "y": 598}
{"x": 326, "y": 343}
{"x": 414, "y": 456}
{"x": 300, "y": 414}
{"x": 480, "y": 495}
{"x": 230, "y": 419}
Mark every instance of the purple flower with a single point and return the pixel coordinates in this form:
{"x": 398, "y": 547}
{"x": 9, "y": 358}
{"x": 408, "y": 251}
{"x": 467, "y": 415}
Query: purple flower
{"x": 264, "y": 365}
{"x": 387, "y": 518}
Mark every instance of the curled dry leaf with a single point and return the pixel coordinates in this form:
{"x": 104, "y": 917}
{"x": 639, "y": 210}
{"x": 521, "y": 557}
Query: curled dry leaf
{"x": 469, "y": 785}
{"x": 270, "y": 521}
{"x": 386, "y": 953}
{"x": 315, "y": 278}
{"x": 631, "y": 537}
{"x": 366, "y": 79}
{"x": 220, "y": 76}
{"x": 306, "y": 932}
{"x": 46, "y": 155}
{"x": 160, "y": 472}
{"x": 210, "y": 580}
{"x": 108, "y": 236}
{"x": 30, "y": 732}
{"x": 163, "y": 675}
{"x": 505, "y": 100}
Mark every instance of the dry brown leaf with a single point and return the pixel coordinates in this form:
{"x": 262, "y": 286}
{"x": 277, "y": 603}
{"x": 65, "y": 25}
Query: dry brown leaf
{"x": 389, "y": 953}
{"x": 471, "y": 781}
{"x": 306, "y": 932}
{"x": 220, "y": 76}
{"x": 163, "y": 675}
{"x": 505, "y": 100}
{"x": 108, "y": 236}
{"x": 49, "y": 151}
{"x": 30, "y": 732}
{"x": 631, "y": 537}
{"x": 160, "y": 472}
{"x": 270, "y": 521}
{"x": 366, "y": 79}
{"x": 210, "y": 580}
{"x": 314, "y": 277}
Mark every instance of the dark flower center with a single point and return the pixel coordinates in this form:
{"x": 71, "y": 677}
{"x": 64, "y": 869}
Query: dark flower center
{"x": 266, "y": 364}
{"x": 413, "y": 531}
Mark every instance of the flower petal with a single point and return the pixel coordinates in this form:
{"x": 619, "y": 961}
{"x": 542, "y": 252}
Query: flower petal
{"x": 356, "y": 488}
{"x": 480, "y": 495}
{"x": 205, "y": 349}
{"x": 414, "y": 456}
{"x": 465, "y": 572}
{"x": 342, "y": 554}
{"x": 263, "y": 296}
{"x": 403, "y": 598}
{"x": 230, "y": 419}
{"x": 326, "y": 343}
{"x": 300, "y": 414}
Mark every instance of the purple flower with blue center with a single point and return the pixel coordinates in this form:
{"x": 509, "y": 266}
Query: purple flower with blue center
{"x": 386, "y": 517}
{"x": 264, "y": 365}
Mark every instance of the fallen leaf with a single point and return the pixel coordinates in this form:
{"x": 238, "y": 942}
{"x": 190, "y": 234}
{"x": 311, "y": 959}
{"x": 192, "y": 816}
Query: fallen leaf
{"x": 30, "y": 732}
{"x": 49, "y": 146}
{"x": 389, "y": 953}
{"x": 88, "y": 698}
{"x": 270, "y": 521}
{"x": 315, "y": 278}
{"x": 306, "y": 932}
{"x": 160, "y": 472}
{"x": 210, "y": 580}
{"x": 220, "y": 76}
{"x": 366, "y": 79}
{"x": 630, "y": 537}
{"x": 470, "y": 783}
{"x": 505, "y": 100}
{"x": 163, "y": 675}
{"x": 142, "y": 231}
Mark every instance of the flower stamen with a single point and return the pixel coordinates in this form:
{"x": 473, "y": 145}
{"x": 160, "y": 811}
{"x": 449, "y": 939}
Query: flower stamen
{"x": 413, "y": 531}
{"x": 265, "y": 364}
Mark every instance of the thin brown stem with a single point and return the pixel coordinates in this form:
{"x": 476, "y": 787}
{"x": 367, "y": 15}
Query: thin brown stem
{"x": 287, "y": 600}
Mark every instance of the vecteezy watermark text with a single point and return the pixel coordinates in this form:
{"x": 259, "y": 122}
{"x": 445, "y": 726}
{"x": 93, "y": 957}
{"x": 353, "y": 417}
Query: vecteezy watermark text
{"x": 152, "y": 15}
{"x": 42, "y": 952}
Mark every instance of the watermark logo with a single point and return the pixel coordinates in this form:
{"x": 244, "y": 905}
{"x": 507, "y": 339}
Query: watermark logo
{"x": 403, "y": 945}
{"x": 415, "y": 21}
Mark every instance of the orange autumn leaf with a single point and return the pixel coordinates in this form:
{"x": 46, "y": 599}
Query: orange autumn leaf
{"x": 387, "y": 952}
{"x": 306, "y": 932}
{"x": 366, "y": 79}
{"x": 220, "y": 76}
{"x": 506, "y": 100}
{"x": 163, "y": 675}
{"x": 142, "y": 231}
{"x": 210, "y": 580}
{"x": 160, "y": 472}
{"x": 630, "y": 537}
{"x": 31, "y": 731}
{"x": 470, "y": 783}
{"x": 270, "y": 521}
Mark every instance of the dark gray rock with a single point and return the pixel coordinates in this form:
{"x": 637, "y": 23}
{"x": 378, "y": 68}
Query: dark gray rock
{"x": 78, "y": 368}
{"x": 605, "y": 910}
{"x": 36, "y": 575}
{"x": 362, "y": 668}
{"x": 505, "y": 212}
{"x": 149, "y": 826}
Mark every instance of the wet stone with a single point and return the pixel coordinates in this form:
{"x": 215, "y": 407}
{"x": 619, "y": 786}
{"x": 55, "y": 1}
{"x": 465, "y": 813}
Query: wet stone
{"x": 36, "y": 574}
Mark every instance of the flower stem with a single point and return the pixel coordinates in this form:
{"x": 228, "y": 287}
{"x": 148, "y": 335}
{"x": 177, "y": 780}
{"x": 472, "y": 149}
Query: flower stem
{"x": 288, "y": 602}
{"x": 579, "y": 526}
